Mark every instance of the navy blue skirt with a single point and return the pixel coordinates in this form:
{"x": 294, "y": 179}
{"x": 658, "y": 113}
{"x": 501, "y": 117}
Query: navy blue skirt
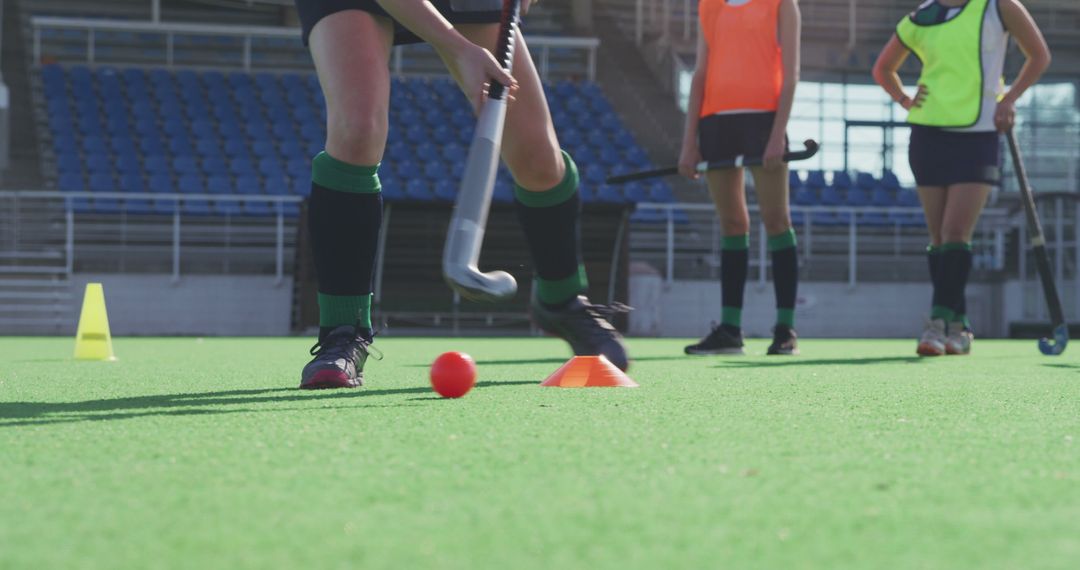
{"x": 943, "y": 158}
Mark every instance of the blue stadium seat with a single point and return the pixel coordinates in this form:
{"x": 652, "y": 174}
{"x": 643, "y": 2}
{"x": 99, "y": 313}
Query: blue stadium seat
{"x": 101, "y": 183}
{"x": 219, "y": 185}
{"x": 157, "y": 164}
{"x": 71, "y": 182}
{"x": 418, "y": 189}
{"x": 241, "y": 167}
{"x": 907, "y": 198}
{"x": 92, "y": 145}
{"x": 815, "y": 179}
{"x": 271, "y": 167}
{"x": 69, "y": 163}
{"x": 164, "y": 206}
{"x": 214, "y": 166}
{"x": 831, "y": 196}
{"x": 184, "y": 164}
{"x": 504, "y": 192}
{"x": 427, "y": 153}
{"x": 608, "y": 193}
{"x": 635, "y": 192}
{"x": 138, "y": 207}
{"x": 889, "y": 180}
{"x": 841, "y": 180}
{"x": 204, "y": 130}
{"x": 228, "y": 208}
{"x": 794, "y": 181}
{"x": 609, "y": 156}
{"x": 191, "y": 184}
{"x": 298, "y": 168}
{"x": 873, "y": 219}
{"x": 152, "y": 146}
{"x": 661, "y": 192}
{"x": 446, "y": 190}
{"x": 107, "y": 206}
{"x": 248, "y": 185}
{"x": 302, "y": 187}
{"x": 163, "y": 184}
{"x": 257, "y": 209}
{"x": 865, "y": 181}
{"x": 807, "y": 196}
{"x": 276, "y": 187}
{"x": 857, "y": 197}
{"x": 208, "y": 148}
{"x": 454, "y": 153}
{"x": 648, "y": 216}
{"x": 132, "y": 183}
{"x": 81, "y": 205}
{"x": 99, "y": 163}
{"x": 264, "y": 148}
{"x": 195, "y": 207}
{"x": 882, "y": 198}
{"x": 237, "y": 148}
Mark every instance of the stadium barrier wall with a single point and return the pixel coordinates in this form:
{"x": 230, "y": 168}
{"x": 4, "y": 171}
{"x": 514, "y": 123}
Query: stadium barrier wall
{"x": 689, "y": 308}
{"x": 197, "y": 305}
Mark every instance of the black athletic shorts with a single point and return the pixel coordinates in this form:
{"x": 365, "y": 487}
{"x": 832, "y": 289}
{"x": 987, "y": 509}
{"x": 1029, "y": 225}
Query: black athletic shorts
{"x": 723, "y": 137}
{"x": 466, "y": 12}
{"x": 942, "y": 158}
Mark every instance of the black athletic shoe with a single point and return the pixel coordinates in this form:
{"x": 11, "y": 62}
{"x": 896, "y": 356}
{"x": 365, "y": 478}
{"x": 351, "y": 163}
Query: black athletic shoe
{"x": 585, "y": 327}
{"x": 720, "y": 341}
{"x": 784, "y": 341}
{"x": 339, "y": 360}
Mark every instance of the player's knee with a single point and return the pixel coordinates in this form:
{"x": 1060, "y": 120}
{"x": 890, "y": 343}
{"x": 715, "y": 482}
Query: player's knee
{"x": 734, "y": 224}
{"x": 538, "y": 172}
{"x": 954, "y": 235}
{"x": 357, "y": 133}
{"x": 776, "y": 224}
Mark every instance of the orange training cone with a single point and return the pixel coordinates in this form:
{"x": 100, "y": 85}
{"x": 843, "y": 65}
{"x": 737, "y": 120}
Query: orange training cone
{"x": 589, "y": 372}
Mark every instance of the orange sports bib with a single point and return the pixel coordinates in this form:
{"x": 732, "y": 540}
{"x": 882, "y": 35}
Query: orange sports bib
{"x": 746, "y": 68}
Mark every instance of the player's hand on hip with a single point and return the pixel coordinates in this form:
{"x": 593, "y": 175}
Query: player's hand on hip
{"x": 1005, "y": 115}
{"x": 689, "y": 159}
{"x": 473, "y": 67}
{"x": 774, "y": 152}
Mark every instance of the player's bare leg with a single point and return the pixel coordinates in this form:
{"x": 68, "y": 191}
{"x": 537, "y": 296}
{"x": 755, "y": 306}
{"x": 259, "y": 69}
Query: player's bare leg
{"x": 962, "y": 210}
{"x": 771, "y": 185}
{"x": 351, "y": 50}
{"x": 932, "y": 341}
{"x": 549, "y": 209}
{"x": 728, "y": 191}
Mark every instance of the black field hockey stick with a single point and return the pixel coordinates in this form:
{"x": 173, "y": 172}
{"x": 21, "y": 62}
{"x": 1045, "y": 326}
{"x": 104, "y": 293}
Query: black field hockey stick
{"x": 465, "y": 237}
{"x": 737, "y": 162}
{"x": 1047, "y": 346}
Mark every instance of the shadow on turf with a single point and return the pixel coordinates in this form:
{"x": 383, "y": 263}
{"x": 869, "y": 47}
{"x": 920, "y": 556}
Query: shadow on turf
{"x": 35, "y": 413}
{"x": 551, "y": 361}
{"x": 800, "y": 361}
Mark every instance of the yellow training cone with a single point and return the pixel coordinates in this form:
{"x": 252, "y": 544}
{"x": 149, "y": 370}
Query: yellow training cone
{"x": 93, "y": 341}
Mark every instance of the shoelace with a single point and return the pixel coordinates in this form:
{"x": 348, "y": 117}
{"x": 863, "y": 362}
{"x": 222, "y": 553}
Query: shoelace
{"x": 340, "y": 346}
{"x": 599, "y": 315}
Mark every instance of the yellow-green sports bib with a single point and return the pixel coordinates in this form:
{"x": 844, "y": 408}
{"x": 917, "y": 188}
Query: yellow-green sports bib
{"x": 951, "y": 55}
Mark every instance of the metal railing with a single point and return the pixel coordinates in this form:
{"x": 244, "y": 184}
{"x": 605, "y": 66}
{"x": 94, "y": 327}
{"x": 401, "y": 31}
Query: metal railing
{"x": 542, "y": 46}
{"x": 994, "y": 226}
{"x": 64, "y": 203}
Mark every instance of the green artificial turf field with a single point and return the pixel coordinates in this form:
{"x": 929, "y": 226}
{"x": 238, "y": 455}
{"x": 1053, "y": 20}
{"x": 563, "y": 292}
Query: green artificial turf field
{"x": 201, "y": 453}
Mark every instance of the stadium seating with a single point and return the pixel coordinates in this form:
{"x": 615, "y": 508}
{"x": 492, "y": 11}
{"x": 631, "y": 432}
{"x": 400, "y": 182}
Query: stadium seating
{"x": 189, "y": 132}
